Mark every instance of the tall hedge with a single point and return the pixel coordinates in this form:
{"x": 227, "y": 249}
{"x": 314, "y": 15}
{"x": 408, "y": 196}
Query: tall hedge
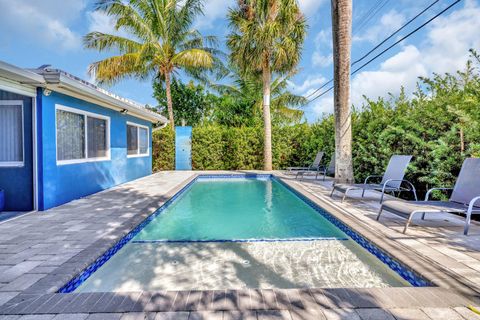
{"x": 439, "y": 125}
{"x": 163, "y": 143}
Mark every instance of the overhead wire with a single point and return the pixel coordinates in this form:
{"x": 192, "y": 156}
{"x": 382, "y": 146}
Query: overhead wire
{"x": 385, "y": 50}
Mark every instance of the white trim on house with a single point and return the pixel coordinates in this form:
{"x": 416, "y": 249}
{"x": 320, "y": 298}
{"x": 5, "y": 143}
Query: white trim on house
{"x": 139, "y": 155}
{"x": 17, "y": 87}
{"x": 86, "y": 114}
{"x": 25, "y": 82}
{"x": 34, "y": 154}
{"x": 15, "y": 164}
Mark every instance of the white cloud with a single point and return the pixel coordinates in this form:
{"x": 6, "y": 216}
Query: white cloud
{"x": 322, "y": 42}
{"x": 322, "y": 61}
{"x": 310, "y": 7}
{"x": 47, "y": 22}
{"x": 403, "y": 69}
{"x": 444, "y": 49}
{"x": 389, "y": 22}
{"x": 213, "y": 10}
{"x": 308, "y": 85}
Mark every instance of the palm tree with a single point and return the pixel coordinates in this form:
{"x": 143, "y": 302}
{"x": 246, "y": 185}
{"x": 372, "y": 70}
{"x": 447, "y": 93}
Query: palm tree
{"x": 160, "y": 40}
{"x": 342, "y": 38}
{"x": 284, "y": 104}
{"x": 267, "y": 36}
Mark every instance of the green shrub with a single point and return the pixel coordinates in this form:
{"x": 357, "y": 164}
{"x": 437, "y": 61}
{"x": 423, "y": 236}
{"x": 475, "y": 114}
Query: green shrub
{"x": 163, "y": 154}
{"x": 430, "y": 125}
{"x": 207, "y": 148}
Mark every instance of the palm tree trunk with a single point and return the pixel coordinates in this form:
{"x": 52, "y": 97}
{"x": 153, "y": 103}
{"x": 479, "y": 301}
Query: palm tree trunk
{"x": 169, "y": 100}
{"x": 342, "y": 37}
{"x": 267, "y": 122}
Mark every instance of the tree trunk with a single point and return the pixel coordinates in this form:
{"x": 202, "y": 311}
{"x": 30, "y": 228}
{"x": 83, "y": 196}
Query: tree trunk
{"x": 169, "y": 101}
{"x": 342, "y": 36}
{"x": 267, "y": 122}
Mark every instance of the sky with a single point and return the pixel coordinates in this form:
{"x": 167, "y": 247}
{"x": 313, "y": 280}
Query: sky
{"x": 36, "y": 32}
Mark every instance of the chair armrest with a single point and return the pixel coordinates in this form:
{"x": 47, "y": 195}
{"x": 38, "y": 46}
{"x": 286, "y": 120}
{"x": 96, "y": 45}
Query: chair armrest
{"x": 412, "y": 187}
{"x": 372, "y": 176}
{"x": 427, "y": 196}
{"x": 472, "y": 203}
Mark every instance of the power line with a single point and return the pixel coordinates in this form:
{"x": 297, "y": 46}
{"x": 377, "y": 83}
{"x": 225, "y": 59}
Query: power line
{"x": 374, "y": 13}
{"x": 368, "y": 15}
{"x": 387, "y": 49}
{"x": 408, "y": 35}
{"x": 397, "y": 31}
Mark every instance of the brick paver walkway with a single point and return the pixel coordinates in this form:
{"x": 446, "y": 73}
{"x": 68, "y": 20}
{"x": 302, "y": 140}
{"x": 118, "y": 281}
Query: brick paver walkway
{"x": 40, "y": 252}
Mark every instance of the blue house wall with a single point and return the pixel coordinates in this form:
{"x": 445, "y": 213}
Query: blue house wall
{"x": 61, "y": 183}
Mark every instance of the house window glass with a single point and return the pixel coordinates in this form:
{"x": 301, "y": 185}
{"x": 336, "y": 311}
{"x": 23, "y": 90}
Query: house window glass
{"x": 97, "y": 137}
{"x": 132, "y": 140}
{"x": 11, "y": 132}
{"x": 143, "y": 140}
{"x": 81, "y": 136}
{"x": 137, "y": 140}
{"x": 70, "y": 135}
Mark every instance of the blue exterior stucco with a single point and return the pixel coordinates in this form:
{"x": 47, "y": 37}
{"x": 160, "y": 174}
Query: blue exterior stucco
{"x": 61, "y": 183}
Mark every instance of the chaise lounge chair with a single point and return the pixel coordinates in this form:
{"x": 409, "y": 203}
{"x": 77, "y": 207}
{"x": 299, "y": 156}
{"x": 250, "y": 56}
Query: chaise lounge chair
{"x": 391, "y": 180}
{"x": 330, "y": 170}
{"x": 314, "y": 167}
{"x": 465, "y": 196}
{"x": 322, "y": 169}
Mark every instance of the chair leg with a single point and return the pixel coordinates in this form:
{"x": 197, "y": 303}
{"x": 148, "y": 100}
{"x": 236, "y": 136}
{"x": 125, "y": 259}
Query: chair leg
{"x": 408, "y": 221}
{"x": 423, "y": 216}
{"x": 363, "y": 192}
{"x": 345, "y": 194}
{"x": 331, "y": 194}
{"x": 381, "y": 198}
{"x": 467, "y": 222}
{"x": 380, "y": 212}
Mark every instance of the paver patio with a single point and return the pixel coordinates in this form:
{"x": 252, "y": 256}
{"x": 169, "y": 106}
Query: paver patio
{"x": 40, "y": 252}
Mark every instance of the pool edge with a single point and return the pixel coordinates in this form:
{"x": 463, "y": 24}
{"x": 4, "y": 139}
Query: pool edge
{"x": 388, "y": 258}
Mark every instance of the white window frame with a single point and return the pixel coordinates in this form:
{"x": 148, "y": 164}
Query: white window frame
{"x": 85, "y": 114}
{"x": 15, "y": 164}
{"x": 138, "y": 155}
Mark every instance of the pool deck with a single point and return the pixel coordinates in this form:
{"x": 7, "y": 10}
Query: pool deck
{"x": 40, "y": 252}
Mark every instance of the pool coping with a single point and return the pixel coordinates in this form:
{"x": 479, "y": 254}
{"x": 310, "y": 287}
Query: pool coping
{"x": 404, "y": 271}
{"x": 41, "y": 298}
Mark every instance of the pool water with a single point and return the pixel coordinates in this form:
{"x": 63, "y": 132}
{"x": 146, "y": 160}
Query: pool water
{"x": 236, "y": 233}
{"x": 238, "y": 209}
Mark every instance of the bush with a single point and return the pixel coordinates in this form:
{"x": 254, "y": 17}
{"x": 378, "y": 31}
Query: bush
{"x": 207, "y": 148}
{"x": 439, "y": 125}
{"x": 163, "y": 143}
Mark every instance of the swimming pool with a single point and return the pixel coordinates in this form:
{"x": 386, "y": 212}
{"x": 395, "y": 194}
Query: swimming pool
{"x": 238, "y": 231}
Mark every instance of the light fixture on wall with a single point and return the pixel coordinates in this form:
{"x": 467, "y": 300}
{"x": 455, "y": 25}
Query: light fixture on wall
{"x": 124, "y": 111}
{"x": 47, "y": 92}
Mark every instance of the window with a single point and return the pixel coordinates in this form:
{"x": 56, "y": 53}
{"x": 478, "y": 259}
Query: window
{"x": 81, "y": 136}
{"x": 11, "y": 133}
{"x": 137, "y": 140}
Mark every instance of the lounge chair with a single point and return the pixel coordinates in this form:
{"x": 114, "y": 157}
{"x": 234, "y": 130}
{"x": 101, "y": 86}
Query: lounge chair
{"x": 391, "y": 181}
{"x": 322, "y": 169}
{"x": 314, "y": 167}
{"x": 465, "y": 198}
{"x": 330, "y": 170}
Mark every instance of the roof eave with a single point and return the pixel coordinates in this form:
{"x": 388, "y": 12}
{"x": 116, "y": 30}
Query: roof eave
{"x": 20, "y": 75}
{"x": 75, "y": 87}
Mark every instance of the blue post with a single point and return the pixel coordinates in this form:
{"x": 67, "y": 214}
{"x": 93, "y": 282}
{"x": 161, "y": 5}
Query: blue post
{"x": 183, "y": 148}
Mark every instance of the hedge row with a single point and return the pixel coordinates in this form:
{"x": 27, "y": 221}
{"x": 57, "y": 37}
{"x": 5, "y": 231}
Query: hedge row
{"x": 216, "y": 147}
{"x": 439, "y": 125}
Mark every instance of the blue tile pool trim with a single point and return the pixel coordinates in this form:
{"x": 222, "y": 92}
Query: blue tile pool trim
{"x": 406, "y": 273}
{"x": 242, "y": 240}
